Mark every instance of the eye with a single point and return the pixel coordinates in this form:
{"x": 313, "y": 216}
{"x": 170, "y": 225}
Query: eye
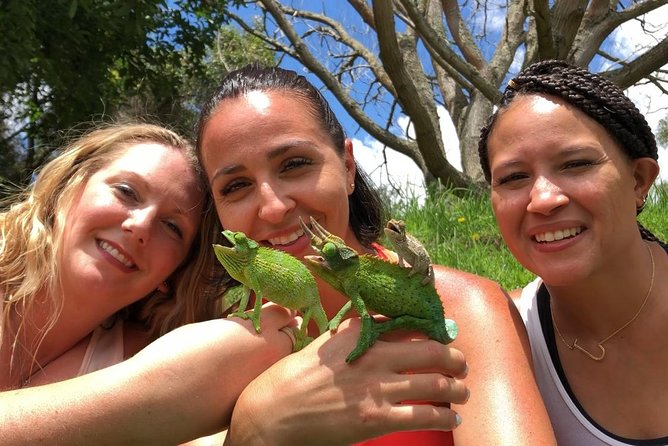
{"x": 173, "y": 227}
{"x": 574, "y": 164}
{"x": 295, "y": 163}
{"x": 234, "y": 186}
{"x": 126, "y": 191}
{"x": 329, "y": 249}
{"x": 510, "y": 178}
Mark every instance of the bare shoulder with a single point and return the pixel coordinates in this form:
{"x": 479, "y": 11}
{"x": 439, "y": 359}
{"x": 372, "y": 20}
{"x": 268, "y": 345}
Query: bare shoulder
{"x": 463, "y": 288}
{"x": 482, "y": 309}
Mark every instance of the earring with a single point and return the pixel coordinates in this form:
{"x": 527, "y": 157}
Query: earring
{"x": 352, "y": 186}
{"x": 642, "y": 206}
{"x": 163, "y": 287}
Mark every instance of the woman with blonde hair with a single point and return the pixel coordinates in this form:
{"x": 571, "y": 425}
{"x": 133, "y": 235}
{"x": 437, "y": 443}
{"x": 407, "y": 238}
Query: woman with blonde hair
{"x": 106, "y": 251}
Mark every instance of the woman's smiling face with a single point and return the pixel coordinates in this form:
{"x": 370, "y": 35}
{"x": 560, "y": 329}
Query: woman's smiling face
{"x": 563, "y": 192}
{"x": 131, "y": 225}
{"x": 270, "y": 162}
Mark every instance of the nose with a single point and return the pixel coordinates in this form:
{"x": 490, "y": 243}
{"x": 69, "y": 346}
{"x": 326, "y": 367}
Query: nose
{"x": 139, "y": 223}
{"x": 546, "y": 197}
{"x": 274, "y": 205}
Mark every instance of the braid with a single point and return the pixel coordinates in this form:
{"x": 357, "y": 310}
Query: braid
{"x": 646, "y": 234}
{"x": 594, "y": 95}
{"x": 591, "y": 93}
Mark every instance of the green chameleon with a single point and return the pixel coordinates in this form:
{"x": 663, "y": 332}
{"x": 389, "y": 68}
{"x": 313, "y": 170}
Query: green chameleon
{"x": 275, "y": 275}
{"x": 377, "y": 285}
{"x": 409, "y": 249}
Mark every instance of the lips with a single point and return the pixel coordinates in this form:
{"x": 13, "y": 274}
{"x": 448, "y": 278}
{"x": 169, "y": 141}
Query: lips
{"x": 559, "y": 234}
{"x": 116, "y": 254}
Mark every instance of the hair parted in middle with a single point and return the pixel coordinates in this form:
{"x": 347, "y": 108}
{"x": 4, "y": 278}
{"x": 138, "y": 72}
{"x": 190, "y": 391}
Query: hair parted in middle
{"x": 367, "y": 211}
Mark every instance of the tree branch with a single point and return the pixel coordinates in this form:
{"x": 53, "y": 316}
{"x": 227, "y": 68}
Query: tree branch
{"x": 351, "y": 106}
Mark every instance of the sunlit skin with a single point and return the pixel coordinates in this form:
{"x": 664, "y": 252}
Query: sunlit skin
{"x": 269, "y": 162}
{"x": 555, "y": 169}
{"x": 129, "y": 228}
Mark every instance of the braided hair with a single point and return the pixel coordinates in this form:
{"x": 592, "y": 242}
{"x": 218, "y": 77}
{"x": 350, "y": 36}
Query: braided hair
{"x": 591, "y": 93}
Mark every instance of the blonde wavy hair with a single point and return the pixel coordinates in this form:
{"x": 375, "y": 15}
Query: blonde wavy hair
{"x": 30, "y": 237}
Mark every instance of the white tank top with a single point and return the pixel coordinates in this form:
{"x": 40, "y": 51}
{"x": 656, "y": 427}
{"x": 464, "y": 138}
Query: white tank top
{"x": 571, "y": 426}
{"x": 105, "y": 348}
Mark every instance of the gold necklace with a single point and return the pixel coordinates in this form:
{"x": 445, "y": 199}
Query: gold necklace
{"x": 575, "y": 345}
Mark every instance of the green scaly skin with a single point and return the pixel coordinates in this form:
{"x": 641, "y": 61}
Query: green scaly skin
{"x": 274, "y": 275}
{"x": 377, "y": 285}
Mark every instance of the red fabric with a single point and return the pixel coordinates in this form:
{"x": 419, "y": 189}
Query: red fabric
{"x": 380, "y": 251}
{"x": 421, "y": 438}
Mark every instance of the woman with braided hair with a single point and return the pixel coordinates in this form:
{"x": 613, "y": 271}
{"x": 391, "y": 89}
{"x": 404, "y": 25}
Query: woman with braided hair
{"x": 571, "y": 161}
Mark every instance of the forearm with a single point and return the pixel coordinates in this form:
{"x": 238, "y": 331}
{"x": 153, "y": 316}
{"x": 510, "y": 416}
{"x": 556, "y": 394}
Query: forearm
{"x": 182, "y": 386}
{"x": 112, "y": 406}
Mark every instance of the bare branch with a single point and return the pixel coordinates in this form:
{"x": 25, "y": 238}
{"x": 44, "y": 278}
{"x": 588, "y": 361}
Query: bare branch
{"x": 632, "y": 72}
{"x": 411, "y": 95}
{"x": 351, "y": 106}
{"x": 442, "y": 48}
{"x": 567, "y": 18}
{"x": 461, "y": 34}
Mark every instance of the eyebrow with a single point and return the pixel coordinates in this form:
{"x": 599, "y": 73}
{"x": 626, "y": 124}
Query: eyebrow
{"x": 273, "y": 154}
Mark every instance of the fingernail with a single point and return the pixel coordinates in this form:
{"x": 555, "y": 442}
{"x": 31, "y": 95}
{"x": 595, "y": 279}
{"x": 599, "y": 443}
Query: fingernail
{"x": 468, "y": 395}
{"x": 458, "y": 419}
{"x": 466, "y": 371}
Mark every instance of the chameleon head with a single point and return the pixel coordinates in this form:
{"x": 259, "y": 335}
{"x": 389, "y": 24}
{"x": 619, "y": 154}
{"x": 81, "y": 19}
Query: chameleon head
{"x": 320, "y": 236}
{"x": 242, "y": 250}
{"x": 334, "y": 257}
{"x": 330, "y": 265}
{"x": 240, "y": 242}
{"x": 395, "y": 230}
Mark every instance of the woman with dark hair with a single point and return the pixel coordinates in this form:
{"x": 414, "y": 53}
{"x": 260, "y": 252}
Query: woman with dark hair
{"x": 273, "y": 153}
{"x": 571, "y": 162}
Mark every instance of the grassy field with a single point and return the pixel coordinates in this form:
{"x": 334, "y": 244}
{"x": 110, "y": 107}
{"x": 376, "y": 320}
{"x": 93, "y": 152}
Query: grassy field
{"x": 459, "y": 230}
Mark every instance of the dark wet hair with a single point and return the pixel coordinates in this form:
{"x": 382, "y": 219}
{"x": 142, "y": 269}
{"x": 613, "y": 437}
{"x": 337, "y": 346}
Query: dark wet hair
{"x": 591, "y": 93}
{"x": 367, "y": 211}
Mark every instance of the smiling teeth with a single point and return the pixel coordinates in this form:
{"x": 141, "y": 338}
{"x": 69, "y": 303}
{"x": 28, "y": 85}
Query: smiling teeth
{"x": 558, "y": 235}
{"x": 284, "y": 240}
{"x": 116, "y": 254}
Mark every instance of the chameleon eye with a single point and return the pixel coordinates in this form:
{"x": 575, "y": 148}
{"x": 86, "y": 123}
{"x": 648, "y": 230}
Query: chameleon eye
{"x": 329, "y": 249}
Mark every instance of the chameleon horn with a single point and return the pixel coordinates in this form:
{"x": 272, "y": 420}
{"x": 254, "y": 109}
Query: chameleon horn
{"x": 314, "y": 238}
{"x": 322, "y": 232}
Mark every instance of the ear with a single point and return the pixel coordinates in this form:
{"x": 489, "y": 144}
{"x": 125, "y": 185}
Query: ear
{"x": 645, "y": 171}
{"x": 349, "y": 162}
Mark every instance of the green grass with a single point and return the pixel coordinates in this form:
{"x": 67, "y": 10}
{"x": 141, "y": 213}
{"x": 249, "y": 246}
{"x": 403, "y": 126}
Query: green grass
{"x": 459, "y": 230}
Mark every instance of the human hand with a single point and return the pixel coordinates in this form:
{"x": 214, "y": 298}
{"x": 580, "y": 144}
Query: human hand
{"x": 315, "y": 396}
